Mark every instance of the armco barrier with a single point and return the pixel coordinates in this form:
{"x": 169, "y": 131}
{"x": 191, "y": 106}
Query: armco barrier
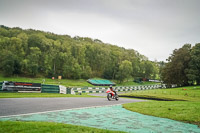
{"x": 117, "y": 88}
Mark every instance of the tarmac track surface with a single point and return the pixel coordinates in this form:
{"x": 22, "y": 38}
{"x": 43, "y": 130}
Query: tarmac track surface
{"x": 16, "y": 106}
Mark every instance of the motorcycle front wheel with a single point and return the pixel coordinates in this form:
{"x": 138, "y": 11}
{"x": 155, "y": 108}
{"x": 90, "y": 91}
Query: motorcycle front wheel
{"x": 109, "y": 96}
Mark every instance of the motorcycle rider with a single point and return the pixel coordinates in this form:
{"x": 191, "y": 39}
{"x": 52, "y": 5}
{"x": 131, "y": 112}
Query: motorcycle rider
{"x": 112, "y": 90}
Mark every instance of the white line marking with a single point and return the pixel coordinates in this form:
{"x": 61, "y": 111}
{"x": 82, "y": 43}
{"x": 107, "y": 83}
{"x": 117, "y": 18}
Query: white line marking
{"x": 58, "y": 110}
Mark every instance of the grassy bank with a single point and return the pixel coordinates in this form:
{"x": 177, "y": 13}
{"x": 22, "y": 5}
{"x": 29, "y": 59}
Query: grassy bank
{"x": 186, "y": 110}
{"x": 131, "y": 83}
{"x": 191, "y": 93}
{"x": 23, "y": 95}
{"x": 43, "y": 127}
{"x": 65, "y": 82}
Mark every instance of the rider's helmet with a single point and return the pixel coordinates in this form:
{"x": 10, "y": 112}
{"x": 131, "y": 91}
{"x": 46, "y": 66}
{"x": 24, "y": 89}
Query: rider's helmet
{"x": 111, "y": 88}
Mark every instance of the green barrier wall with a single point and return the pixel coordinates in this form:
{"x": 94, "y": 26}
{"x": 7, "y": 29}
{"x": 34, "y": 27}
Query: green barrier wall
{"x": 68, "y": 90}
{"x": 50, "y": 89}
{"x": 1, "y": 85}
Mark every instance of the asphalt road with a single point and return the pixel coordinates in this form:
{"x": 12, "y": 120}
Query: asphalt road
{"x": 16, "y": 106}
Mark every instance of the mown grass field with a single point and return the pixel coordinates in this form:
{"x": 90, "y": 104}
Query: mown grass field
{"x": 46, "y": 127}
{"x": 185, "y": 107}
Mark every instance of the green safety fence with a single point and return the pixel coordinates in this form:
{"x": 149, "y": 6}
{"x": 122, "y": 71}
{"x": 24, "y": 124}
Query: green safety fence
{"x": 50, "y": 88}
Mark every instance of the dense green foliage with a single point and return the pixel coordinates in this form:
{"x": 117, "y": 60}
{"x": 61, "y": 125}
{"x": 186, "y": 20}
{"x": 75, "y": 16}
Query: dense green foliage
{"x": 37, "y": 53}
{"x": 47, "y": 127}
{"x": 183, "y": 67}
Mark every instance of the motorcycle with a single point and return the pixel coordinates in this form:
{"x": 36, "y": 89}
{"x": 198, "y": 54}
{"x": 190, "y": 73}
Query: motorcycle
{"x": 112, "y": 95}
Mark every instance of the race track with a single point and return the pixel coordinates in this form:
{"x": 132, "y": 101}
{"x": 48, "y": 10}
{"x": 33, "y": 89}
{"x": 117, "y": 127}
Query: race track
{"x": 99, "y": 114}
{"x": 16, "y": 106}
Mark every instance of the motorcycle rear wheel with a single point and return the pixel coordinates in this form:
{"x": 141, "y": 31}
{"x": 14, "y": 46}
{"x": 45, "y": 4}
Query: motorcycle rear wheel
{"x": 116, "y": 97}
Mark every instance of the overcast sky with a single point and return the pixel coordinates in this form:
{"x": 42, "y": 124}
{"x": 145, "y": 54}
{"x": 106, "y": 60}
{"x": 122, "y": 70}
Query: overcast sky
{"x": 152, "y": 27}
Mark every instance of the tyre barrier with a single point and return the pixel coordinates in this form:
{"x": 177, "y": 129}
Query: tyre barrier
{"x": 117, "y": 88}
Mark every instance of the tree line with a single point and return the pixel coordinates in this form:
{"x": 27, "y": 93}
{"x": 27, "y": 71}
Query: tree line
{"x": 183, "y": 66}
{"x": 38, "y": 53}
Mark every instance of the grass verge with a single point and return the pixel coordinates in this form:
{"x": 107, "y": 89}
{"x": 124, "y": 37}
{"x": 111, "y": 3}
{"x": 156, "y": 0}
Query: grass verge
{"x": 23, "y": 95}
{"x": 185, "y": 107}
{"x": 185, "y": 111}
{"x": 43, "y": 127}
{"x": 191, "y": 93}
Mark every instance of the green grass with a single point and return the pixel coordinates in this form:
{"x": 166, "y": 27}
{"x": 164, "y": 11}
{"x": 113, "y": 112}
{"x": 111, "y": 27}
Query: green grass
{"x": 186, "y": 110}
{"x": 22, "y": 95}
{"x": 43, "y": 127}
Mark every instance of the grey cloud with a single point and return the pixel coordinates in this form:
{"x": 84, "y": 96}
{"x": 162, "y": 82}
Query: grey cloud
{"x": 145, "y": 25}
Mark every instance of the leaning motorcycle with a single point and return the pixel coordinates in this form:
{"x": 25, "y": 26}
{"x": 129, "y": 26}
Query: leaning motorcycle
{"x": 112, "y": 95}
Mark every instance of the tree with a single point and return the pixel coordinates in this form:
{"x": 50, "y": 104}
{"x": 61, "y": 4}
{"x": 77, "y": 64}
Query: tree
{"x": 4, "y": 32}
{"x": 86, "y": 73}
{"x": 112, "y": 63}
{"x": 125, "y": 70}
{"x": 175, "y": 70}
{"x": 149, "y": 70}
{"x": 8, "y": 63}
{"x": 161, "y": 65}
{"x": 33, "y": 60}
{"x": 193, "y": 72}
{"x": 76, "y": 70}
{"x": 24, "y": 40}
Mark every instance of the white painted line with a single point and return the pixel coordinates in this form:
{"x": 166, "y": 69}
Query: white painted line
{"x": 59, "y": 110}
